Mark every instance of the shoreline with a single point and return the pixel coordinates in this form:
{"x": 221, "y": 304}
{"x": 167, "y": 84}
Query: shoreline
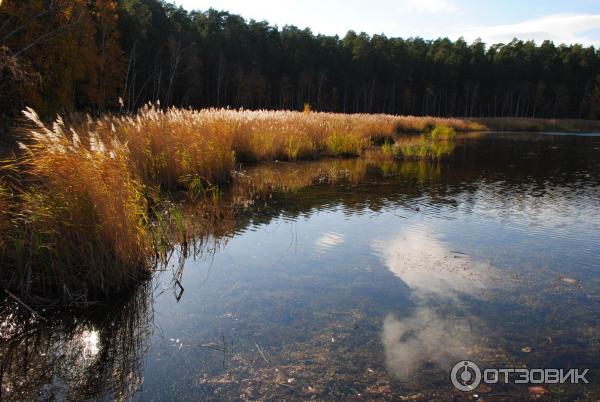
{"x": 85, "y": 206}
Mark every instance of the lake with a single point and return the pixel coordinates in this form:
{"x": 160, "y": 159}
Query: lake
{"x": 353, "y": 279}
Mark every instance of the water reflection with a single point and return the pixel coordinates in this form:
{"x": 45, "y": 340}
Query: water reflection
{"x": 425, "y": 337}
{"x": 430, "y": 269}
{"x": 328, "y": 241}
{"x": 432, "y": 272}
{"x": 99, "y": 356}
{"x": 348, "y": 279}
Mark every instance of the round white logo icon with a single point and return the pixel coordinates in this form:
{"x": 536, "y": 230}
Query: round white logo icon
{"x": 465, "y": 376}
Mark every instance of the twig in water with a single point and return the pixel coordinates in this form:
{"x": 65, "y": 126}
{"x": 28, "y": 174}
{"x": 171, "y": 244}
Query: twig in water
{"x": 21, "y": 302}
{"x": 213, "y": 347}
{"x": 178, "y": 295}
{"x": 261, "y": 353}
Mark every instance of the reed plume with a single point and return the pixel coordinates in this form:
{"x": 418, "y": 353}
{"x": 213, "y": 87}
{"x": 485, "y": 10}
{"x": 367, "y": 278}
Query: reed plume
{"x": 81, "y": 219}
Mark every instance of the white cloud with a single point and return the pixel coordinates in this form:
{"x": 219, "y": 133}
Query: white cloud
{"x": 430, "y": 6}
{"x": 561, "y": 28}
{"x": 426, "y": 18}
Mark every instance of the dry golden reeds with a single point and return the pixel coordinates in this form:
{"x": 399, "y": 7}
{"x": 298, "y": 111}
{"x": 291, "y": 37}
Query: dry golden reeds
{"x": 168, "y": 145}
{"x": 81, "y": 218}
{"x": 81, "y": 221}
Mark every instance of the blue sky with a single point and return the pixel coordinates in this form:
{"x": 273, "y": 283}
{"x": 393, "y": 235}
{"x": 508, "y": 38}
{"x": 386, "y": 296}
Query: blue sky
{"x": 563, "y": 21}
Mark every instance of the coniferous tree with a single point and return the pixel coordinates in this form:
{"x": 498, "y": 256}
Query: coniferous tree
{"x": 86, "y": 54}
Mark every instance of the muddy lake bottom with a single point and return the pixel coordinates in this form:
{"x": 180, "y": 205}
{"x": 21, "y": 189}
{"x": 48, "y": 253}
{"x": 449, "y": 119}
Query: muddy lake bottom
{"x": 369, "y": 288}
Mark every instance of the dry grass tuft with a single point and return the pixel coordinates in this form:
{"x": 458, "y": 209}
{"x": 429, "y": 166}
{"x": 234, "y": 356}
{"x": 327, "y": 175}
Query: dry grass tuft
{"x": 436, "y": 143}
{"x": 81, "y": 218}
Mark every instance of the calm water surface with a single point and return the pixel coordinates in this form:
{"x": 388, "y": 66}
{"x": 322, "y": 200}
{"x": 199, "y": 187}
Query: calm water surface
{"x": 367, "y": 287}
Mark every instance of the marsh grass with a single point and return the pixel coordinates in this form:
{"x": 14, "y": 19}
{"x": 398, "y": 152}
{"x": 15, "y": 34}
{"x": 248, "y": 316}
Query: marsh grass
{"x": 428, "y": 150}
{"x": 419, "y": 124}
{"x": 169, "y": 144}
{"x": 80, "y": 218}
{"x": 435, "y": 143}
{"x": 173, "y": 146}
{"x": 86, "y": 211}
{"x": 440, "y": 133}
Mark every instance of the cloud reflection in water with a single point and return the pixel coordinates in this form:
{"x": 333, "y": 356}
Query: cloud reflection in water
{"x": 430, "y": 269}
{"x": 433, "y": 272}
{"x": 424, "y": 337}
{"x": 329, "y": 240}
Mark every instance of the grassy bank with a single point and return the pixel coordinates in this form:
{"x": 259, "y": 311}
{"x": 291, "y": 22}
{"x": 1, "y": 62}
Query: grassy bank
{"x": 84, "y": 206}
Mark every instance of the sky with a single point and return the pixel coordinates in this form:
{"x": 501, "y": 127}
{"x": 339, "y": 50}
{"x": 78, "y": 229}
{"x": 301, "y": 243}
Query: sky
{"x": 498, "y": 21}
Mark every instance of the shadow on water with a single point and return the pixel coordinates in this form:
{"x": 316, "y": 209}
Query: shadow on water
{"x": 349, "y": 279}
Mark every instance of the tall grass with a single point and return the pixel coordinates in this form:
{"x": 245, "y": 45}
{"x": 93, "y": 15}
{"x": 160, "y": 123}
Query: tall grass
{"x": 440, "y": 133}
{"x": 414, "y": 124}
{"x": 435, "y": 143}
{"x": 81, "y": 219}
{"x": 171, "y": 145}
{"x": 86, "y": 216}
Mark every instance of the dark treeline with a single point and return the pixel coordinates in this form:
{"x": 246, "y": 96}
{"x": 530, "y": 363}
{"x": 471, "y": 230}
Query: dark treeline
{"x": 65, "y": 55}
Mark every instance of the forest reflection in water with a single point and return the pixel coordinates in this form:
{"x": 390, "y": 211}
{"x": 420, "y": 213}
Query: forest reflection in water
{"x": 399, "y": 270}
